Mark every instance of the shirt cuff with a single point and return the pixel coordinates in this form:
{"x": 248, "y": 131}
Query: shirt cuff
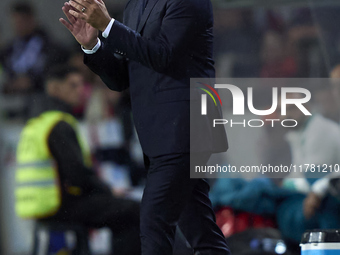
{"x": 94, "y": 49}
{"x": 107, "y": 30}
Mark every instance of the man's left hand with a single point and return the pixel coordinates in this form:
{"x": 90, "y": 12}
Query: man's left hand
{"x": 94, "y": 12}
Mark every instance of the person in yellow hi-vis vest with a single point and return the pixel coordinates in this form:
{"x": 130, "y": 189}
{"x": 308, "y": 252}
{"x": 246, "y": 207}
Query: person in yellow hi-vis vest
{"x": 54, "y": 176}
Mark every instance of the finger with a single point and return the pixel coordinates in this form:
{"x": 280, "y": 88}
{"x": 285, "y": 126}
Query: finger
{"x": 100, "y": 2}
{"x": 69, "y": 6}
{"x": 77, "y": 6}
{"x": 77, "y": 14}
{"x": 66, "y": 24}
{"x": 66, "y": 9}
{"x": 85, "y": 3}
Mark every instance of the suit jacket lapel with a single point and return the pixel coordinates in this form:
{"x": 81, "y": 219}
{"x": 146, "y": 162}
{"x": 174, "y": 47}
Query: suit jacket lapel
{"x": 150, "y": 5}
{"x": 132, "y": 17}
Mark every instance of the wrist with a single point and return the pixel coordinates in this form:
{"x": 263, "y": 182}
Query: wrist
{"x": 105, "y": 24}
{"x": 91, "y": 45}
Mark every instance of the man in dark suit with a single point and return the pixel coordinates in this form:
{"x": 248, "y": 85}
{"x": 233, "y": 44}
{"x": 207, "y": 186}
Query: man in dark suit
{"x": 160, "y": 46}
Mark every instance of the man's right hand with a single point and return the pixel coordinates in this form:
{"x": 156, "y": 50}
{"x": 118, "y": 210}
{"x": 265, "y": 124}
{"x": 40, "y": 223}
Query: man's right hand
{"x": 84, "y": 33}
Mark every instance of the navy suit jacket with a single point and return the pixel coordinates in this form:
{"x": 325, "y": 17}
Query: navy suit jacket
{"x": 156, "y": 58}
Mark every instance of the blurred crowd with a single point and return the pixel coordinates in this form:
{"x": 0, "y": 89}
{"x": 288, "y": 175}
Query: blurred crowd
{"x": 281, "y": 42}
{"x": 24, "y": 62}
{"x": 28, "y": 56}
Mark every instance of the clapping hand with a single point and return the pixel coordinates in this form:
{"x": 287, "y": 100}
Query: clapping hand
{"x": 94, "y": 12}
{"x": 83, "y": 32}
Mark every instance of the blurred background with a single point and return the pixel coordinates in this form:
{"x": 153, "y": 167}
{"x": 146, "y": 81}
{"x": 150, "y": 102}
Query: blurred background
{"x": 253, "y": 39}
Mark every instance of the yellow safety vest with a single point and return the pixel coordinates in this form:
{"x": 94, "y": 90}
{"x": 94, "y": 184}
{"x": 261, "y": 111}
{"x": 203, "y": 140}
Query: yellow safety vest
{"x": 38, "y": 191}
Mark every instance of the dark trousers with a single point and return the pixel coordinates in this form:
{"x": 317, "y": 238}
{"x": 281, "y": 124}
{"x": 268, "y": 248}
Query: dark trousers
{"x": 172, "y": 199}
{"x": 99, "y": 210}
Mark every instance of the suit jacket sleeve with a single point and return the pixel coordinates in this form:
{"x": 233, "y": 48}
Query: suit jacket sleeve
{"x": 112, "y": 71}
